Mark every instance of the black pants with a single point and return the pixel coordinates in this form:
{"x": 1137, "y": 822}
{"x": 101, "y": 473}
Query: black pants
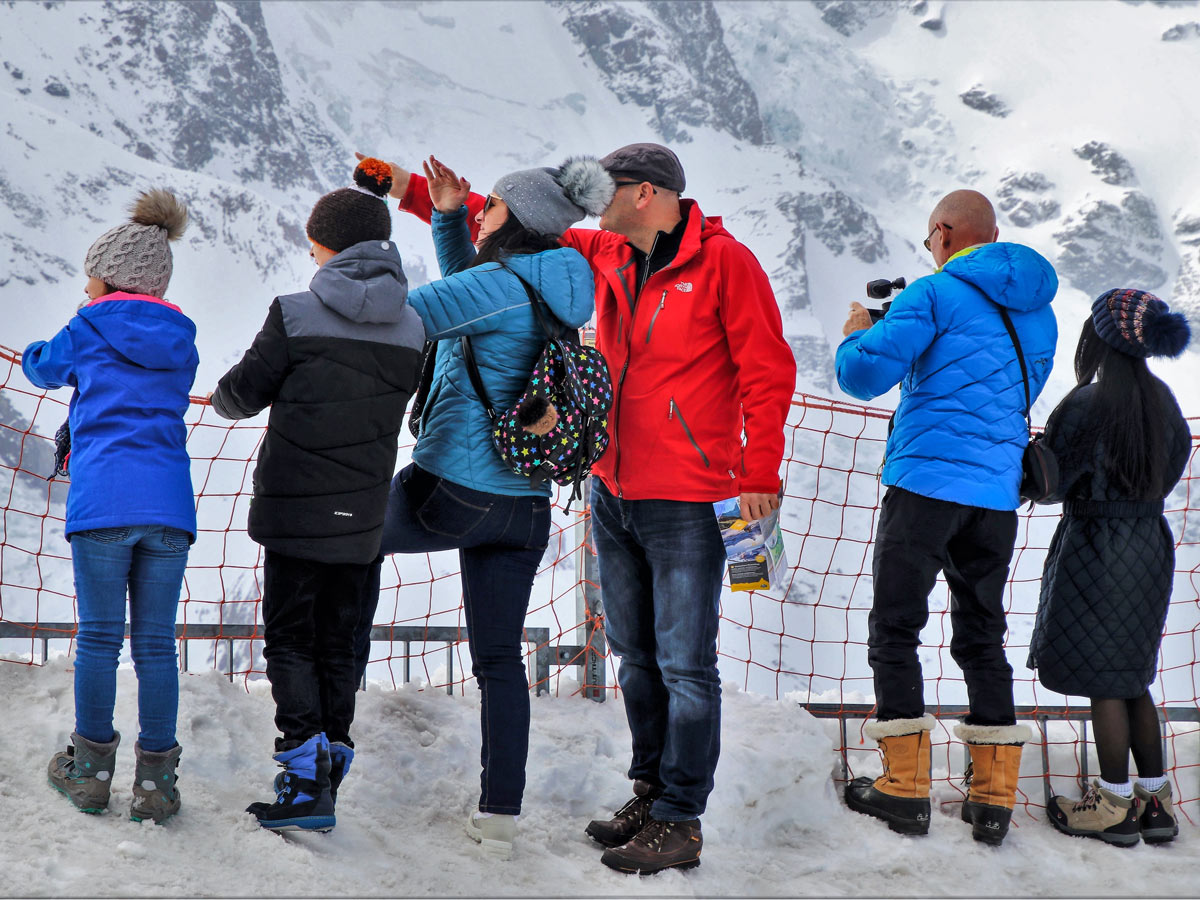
{"x": 310, "y": 610}
{"x": 917, "y": 538}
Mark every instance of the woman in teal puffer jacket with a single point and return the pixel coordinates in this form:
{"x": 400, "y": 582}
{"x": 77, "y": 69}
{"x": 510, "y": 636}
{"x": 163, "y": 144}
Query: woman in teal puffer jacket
{"x": 458, "y": 493}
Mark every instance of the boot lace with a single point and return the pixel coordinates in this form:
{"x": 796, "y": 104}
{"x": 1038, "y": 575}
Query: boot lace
{"x": 1089, "y": 801}
{"x": 968, "y": 775}
{"x": 654, "y": 833}
{"x": 635, "y": 809}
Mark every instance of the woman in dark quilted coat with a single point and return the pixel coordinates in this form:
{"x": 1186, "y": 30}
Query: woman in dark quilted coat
{"x": 1122, "y": 445}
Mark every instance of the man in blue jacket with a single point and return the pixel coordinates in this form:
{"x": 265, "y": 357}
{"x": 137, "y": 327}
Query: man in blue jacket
{"x": 952, "y": 471}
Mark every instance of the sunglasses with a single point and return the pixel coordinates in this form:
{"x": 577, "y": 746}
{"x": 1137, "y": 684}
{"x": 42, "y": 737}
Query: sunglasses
{"x": 622, "y": 184}
{"x": 491, "y": 198}
{"x": 932, "y": 233}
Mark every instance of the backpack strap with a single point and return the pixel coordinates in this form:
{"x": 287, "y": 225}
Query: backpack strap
{"x": 476, "y": 379}
{"x": 1012, "y": 333}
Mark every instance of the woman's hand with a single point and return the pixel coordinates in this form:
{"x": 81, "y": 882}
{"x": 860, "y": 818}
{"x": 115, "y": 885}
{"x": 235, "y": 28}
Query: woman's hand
{"x": 399, "y": 177}
{"x": 447, "y": 191}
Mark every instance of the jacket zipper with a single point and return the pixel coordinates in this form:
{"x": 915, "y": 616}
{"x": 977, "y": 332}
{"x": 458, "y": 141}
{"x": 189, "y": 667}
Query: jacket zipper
{"x": 661, "y": 303}
{"x": 625, "y": 368}
{"x": 675, "y": 411}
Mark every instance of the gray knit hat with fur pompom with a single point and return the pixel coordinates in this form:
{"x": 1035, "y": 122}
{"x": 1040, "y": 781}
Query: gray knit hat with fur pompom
{"x": 136, "y": 257}
{"x": 550, "y": 201}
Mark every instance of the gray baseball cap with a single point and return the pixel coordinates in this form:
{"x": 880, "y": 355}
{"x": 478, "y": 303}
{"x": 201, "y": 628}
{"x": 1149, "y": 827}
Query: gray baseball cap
{"x": 646, "y": 162}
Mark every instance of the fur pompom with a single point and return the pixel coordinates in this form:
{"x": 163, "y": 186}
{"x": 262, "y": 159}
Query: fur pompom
{"x": 537, "y": 415}
{"x": 586, "y": 184}
{"x": 161, "y": 208}
{"x": 374, "y": 175}
{"x": 1167, "y": 334}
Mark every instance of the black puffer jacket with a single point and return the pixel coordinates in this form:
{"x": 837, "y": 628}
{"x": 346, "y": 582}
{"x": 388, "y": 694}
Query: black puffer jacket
{"x": 337, "y": 365}
{"x": 1107, "y": 580}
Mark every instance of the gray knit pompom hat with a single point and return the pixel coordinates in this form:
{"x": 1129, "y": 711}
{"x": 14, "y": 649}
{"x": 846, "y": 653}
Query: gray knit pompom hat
{"x": 136, "y": 256}
{"x": 550, "y": 201}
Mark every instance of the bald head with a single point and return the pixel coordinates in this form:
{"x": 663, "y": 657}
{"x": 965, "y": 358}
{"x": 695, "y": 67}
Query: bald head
{"x": 962, "y": 219}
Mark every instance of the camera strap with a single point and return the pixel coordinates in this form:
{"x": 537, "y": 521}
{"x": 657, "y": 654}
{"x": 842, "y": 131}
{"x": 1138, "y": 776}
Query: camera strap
{"x": 1012, "y": 333}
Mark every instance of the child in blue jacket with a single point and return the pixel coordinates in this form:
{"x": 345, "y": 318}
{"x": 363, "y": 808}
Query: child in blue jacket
{"x": 131, "y": 357}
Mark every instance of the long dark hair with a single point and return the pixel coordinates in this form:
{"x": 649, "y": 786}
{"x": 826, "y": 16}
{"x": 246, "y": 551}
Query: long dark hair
{"x": 513, "y": 239}
{"x": 1126, "y": 414}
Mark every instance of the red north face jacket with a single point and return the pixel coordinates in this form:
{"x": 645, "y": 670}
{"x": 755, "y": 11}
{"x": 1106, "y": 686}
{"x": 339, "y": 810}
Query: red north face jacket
{"x": 696, "y": 359}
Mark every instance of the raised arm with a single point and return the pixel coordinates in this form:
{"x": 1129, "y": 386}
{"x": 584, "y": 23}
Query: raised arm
{"x": 51, "y": 364}
{"x": 412, "y": 190}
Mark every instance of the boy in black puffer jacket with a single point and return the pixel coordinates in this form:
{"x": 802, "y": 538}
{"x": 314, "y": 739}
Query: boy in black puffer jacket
{"x": 337, "y": 364}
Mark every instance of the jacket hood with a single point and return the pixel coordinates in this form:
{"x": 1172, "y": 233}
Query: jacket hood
{"x": 144, "y": 330}
{"x": 1011, "y": 275}
{"x": 365, "y": 283}
{"x": 563, "y": 278}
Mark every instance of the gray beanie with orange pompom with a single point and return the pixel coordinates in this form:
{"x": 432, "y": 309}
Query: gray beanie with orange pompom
{"x": 351, "y": 215}
{"x": 136, "y": 256}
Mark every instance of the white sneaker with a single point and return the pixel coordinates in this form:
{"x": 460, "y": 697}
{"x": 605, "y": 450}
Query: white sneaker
{"x": 494, "y": 833}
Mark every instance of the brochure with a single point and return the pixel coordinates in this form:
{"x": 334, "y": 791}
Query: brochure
{"x": 757, "y": 561}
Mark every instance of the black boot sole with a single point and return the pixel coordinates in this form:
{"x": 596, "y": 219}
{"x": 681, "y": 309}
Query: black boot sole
{"x": 629, "y": 869}
{"x": 979, "y": 830}
{"x": 898, "y": 824}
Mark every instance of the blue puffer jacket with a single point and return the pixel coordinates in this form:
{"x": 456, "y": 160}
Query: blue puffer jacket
{"x": 960, "y": 424}
{"x": 489, "y": 304}
{"x": 132, "y": 360}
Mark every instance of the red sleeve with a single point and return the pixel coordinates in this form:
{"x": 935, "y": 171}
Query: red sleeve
{"x": 764, "y": 361}
{"x": 416, "y": 201}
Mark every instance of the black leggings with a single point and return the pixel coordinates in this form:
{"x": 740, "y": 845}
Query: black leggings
{"x": 1124, "y": 725}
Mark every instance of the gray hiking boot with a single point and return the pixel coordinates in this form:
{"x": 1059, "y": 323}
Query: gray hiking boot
{"x": 155, "y": 795}
{"x": 1157, "y": 818}
{"x": 84, "y": 772}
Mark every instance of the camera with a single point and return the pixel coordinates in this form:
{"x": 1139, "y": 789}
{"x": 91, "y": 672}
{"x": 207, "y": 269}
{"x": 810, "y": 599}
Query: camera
{"x": 880, "y": 289}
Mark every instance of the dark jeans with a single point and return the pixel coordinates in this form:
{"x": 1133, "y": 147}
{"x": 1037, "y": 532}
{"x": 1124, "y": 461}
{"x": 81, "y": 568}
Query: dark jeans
{"x": 500, "y": 541}
{"x": 661, "y": 563}
{"x": 917, "y": 538}
{"x": 310, "y": 610}
{"x": 145, "y": 563}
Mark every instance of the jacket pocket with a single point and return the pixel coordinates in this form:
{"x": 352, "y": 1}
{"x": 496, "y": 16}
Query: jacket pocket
{"x": 662, "y": 301}
{"x": 676, "y": 414}
{"x": 450, "y": 513}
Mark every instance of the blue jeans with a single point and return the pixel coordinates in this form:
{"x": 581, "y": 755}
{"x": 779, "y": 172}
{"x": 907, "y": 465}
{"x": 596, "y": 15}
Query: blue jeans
{"x": 500, "y": 541}
{"x": 145, "y": 562}
{"x": 661, "y": 563}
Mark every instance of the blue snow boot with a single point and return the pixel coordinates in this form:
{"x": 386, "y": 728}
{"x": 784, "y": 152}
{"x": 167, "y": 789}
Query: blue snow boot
{"x": 303, "y": 800}
{"x": 340, "y": 757}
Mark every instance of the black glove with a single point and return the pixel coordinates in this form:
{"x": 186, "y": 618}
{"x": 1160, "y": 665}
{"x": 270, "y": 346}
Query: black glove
{"x": 62, "y": 450}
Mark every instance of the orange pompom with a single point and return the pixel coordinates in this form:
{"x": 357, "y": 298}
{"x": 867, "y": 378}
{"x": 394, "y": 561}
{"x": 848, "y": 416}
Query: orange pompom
{"x": 373, "y": 174}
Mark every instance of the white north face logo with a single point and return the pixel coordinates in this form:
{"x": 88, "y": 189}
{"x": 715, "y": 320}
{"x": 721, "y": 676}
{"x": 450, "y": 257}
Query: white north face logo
{"x": 684, "y": 287}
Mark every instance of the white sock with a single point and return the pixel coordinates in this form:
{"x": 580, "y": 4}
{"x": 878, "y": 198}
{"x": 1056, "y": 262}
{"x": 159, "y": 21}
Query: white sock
{"x": 1152, "y": 784}
{"x": 483, "y": 815}
{"x": 1121, "y": 789}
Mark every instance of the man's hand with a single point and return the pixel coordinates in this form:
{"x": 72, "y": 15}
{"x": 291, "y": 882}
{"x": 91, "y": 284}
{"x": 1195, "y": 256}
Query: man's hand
{"x": 399, "y": 177}
{"x": 755, "y": 506}
{"x": 859, "y": 319}
{"x": 447, "y": 191}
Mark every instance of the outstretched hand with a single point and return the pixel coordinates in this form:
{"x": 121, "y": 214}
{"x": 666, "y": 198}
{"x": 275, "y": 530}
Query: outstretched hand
{"x": 399, "y": 177}
{"x": 446, "y": 190}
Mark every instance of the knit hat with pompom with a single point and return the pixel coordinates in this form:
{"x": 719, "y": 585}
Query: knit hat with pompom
{"x": 1139, "y": 324}
{"x": 351, "y": 215}
{"x": 136, "y": 256}
{"x": 550, "y": 201}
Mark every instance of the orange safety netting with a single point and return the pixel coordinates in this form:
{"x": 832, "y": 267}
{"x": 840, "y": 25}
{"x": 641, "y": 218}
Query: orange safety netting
{"x": 806, "y": 642}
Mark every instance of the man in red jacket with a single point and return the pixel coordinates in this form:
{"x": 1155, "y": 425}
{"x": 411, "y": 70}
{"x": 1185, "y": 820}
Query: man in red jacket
{"x": 691, "y": 331}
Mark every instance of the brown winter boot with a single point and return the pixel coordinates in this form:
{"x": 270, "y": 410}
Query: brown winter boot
{"x": 658, "y": 846}
{"x": 626, "y": 821}
{"x": 992, "y": 777}
{"x": 900, "y": 796}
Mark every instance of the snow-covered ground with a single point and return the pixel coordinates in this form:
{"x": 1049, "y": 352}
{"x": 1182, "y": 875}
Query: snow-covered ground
{"x": 775, "y": 825}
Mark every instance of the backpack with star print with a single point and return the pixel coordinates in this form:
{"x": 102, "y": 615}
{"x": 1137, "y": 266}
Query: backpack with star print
{"x": 558, "y": 428}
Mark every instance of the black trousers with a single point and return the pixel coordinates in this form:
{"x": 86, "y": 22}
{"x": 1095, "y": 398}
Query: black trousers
{"x": 917, "y": 538}
{"x": 310, "y": 610}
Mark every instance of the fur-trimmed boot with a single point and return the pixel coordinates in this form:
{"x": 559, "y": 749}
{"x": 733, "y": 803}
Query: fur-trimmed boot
{"x": 1157, "y": 819}
{"x": 303, "y": 801}
{"x": 155, "y": 795}
{"x": 992, "y": 777}
{"x": 84, "y": 772}
{"x": 900, "y": 796}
